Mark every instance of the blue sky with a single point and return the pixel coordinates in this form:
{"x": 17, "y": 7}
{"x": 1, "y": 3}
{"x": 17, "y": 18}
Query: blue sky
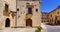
{"x": 49, "y": 5}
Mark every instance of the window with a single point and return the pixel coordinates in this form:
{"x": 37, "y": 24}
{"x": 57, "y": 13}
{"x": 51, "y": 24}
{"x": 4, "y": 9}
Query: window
{"x": 6, "y": 7}
{"x": 17, "y": 9}
{"x": 55, "y": 18}
{"x": 51, "y": 15}
{"x": 30, "y": 10}
{"x": 36, "y": 10}
{"x": 27, "y": 3}
{"x": 57, "y": 12}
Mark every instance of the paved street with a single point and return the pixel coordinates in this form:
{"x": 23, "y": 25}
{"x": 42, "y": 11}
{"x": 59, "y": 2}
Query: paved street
{"x": 23, "y": 29}
{"x": 46, "y": 28}
{"x": 51, "y": 28}
{"x": 20, "y": 30}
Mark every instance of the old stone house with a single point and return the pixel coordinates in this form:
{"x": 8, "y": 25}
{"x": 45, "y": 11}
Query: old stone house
{"x": 54, "y": 16}
{"x": 20, "y": 13}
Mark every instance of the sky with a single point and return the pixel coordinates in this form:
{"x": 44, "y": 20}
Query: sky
{"x": 49, "y": 5}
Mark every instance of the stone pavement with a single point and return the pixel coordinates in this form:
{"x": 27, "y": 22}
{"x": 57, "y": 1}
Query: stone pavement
{"x": 20, "y": 30}
{"x": 23, "y": 29}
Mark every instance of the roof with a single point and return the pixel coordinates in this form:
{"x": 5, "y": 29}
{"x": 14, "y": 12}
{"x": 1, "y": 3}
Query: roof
{"x": 55, "y": 9}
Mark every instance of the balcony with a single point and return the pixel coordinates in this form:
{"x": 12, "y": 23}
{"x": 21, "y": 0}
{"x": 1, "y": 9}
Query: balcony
{"x": 28, "y": 15}
{"x": 6, "y": 13}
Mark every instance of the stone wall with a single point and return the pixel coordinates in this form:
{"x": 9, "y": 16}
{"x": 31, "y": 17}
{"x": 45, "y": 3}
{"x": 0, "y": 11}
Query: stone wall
{"x": 23, "y": 10}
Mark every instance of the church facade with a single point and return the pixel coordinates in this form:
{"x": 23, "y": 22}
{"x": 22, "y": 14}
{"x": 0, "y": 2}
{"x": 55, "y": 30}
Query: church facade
{"x": 20, "y": 13}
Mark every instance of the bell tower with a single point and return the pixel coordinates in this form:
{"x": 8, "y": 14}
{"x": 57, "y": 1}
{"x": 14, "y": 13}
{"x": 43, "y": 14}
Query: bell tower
{"x": 29, "y": 12}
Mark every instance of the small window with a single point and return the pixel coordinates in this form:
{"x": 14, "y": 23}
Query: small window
{"x": 57, "y": 12}
{"x": 30, "y": 10}
{"x": 56, "y": 18}
{"x": 36, "y": 10}
{"x": 17, "y": 9}
{"x": 6, "y": 7}
{"x": 27, "y": 3}
{"x": 51, "y": 15}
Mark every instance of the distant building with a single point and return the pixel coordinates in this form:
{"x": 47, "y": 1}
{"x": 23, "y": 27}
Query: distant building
{"x": 54, "y": 16}
{"x": 20, "y": 13}
{"x": 44, "y": 17}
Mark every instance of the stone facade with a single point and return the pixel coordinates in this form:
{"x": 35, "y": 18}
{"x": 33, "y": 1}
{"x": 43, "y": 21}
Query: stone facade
{"x": 35, "y": 16}
{"x": 54, "y": 16}
{"x": 7, "y": 14}
{"x": 17, "y": 14}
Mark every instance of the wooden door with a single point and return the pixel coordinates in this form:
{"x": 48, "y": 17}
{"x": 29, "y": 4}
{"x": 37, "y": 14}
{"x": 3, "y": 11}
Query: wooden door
{"x": 29, "y": 22}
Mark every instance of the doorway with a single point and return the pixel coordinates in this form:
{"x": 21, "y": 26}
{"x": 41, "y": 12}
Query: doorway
{"x": 29, "y": 22}
{"x": 58, "y": 22}
{"x": 7, "y": 22}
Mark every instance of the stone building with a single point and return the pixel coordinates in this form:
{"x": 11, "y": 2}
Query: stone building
{"x": 45, "y": 17}
{"x": 28, "y": 13}
{"x": 54, "y": 16}
{"x": 20, "y": 13}
{"x": 7, "y": 13}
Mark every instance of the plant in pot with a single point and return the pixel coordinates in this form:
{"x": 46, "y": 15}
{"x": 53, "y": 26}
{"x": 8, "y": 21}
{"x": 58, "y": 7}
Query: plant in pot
{"x": 39, "y": 28}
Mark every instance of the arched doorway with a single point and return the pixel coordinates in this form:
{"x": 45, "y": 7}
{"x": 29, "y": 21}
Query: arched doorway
{"x": 7, "y": 22}
{"x": 29, "y": 22}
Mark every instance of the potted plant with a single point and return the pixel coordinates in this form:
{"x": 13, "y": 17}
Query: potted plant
{"x": 39, "y": 28}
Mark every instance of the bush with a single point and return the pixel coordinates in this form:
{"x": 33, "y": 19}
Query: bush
{"x": 39, "y": 28}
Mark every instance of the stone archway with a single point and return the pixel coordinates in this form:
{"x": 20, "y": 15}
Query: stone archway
{"x": 29, "y": 22}
{"x": 7, "y": 22}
